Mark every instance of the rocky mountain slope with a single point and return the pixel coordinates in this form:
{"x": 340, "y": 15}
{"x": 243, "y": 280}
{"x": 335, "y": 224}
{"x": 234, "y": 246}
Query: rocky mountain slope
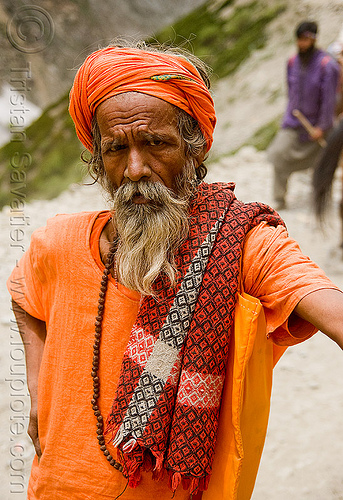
{"x": 245, "y": 41}
{"x": 54, "y": 37}
{"x": 227, "y": 33}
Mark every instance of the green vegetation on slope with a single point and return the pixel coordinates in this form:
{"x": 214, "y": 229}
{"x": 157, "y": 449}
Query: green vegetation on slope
{"x": 46, "y": 162}
{"x": 226, "y": 35}
{"x": 264, "y": 135}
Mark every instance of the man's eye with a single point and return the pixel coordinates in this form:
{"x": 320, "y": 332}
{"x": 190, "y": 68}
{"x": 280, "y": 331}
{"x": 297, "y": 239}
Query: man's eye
{"x": 118, "y": 147}
{"x": 155, "y": 142}
{"x": 113, "y": 148}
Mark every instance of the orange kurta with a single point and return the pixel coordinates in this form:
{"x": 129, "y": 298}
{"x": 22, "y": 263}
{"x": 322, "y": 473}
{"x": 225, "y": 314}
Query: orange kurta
{"x": 58, "y": 281}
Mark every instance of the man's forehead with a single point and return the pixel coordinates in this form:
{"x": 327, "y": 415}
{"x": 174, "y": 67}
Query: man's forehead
{"x": 138, "y": 111}
{"x": 138, "y": 102}
{"x": 307, "y": 35}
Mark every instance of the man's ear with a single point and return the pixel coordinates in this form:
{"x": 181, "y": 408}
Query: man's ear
{"x": 200, "y": 158}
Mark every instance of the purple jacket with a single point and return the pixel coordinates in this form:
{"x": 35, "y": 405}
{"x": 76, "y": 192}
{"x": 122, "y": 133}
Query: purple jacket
{"x": 312, "y": 89}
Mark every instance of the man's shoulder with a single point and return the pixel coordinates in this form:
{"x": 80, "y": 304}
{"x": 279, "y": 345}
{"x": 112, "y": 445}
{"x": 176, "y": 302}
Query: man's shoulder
{"x": 212, "y": 188}
{"x": 320, "y": 57}
{"x": 71, "y": 220}
{"x": 213, "y": 196}
{"x": 322, "y": 63}
{"x": 326, "y": 61}
{"x": 291, "y": 60}
{"x": 64, "y": 227}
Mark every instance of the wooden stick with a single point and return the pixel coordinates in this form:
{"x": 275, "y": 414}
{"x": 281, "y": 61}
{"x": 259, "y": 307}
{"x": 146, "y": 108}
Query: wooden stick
{"x": 308, "y": 126}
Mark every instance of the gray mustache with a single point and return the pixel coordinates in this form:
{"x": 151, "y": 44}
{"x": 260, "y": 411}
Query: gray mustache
{"x": 155, "y": 192}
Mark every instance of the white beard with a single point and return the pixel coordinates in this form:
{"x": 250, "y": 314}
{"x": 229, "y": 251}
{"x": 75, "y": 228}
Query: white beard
{"x": 149, "y": 234}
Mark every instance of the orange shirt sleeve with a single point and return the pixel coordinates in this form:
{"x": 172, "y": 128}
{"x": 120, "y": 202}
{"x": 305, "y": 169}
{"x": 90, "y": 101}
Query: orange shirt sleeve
{"x": 25, "y": 283}
{"x": 276, "y": 271}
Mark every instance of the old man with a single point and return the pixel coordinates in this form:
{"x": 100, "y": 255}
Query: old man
{"x": 128, "y": 314}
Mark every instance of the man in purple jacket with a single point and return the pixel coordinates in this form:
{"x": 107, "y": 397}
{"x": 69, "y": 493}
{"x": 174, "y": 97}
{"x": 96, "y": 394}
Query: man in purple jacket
{"x": 312, "y": 79}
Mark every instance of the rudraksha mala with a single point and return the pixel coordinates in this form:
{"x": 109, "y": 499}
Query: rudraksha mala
{"x": 96, "y": 358}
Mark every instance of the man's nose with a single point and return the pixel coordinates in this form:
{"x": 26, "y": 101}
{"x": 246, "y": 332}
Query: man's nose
{"x": 137, "y": 167}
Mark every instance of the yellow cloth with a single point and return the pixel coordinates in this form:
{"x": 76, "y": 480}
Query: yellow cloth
{"x": 245, "y": 404}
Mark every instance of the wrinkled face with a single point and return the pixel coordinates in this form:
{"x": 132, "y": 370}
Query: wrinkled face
{"x": 305, "y": 43}
{"x": 140, "y": 140}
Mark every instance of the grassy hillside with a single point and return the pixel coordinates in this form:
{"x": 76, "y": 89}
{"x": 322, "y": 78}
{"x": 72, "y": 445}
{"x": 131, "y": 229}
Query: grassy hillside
{"x": 49, "y": 157}
{"x": 220, "y": 32}
{"x": 224, "y": 35}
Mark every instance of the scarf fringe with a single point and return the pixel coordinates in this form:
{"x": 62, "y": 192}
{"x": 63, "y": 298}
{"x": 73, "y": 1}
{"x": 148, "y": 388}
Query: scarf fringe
{"x": 195, "y": 485}
{"x": 114, "y": 434}
{"x": 159, "y": 456}
{"x": 133, "y": 468}
{"x": 175, "y": 481}
{"x": 129, "y": 446}
{"x": 158, "y": 475}
{"x": 135, "y": 478}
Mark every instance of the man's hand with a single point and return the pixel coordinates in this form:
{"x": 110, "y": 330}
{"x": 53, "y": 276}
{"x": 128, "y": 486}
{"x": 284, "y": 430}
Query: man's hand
{"x": 32, "y": 429}
{"x": 33, "y": 333}
{"x": 317, "y": 133}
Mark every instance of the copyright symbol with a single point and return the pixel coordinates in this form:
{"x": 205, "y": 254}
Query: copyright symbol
{"x": 31, "y": 29}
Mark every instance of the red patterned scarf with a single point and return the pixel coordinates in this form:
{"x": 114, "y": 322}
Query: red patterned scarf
{"x": 166, "y": 407}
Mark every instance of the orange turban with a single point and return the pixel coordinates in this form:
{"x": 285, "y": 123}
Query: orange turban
{"x": 114, "y": 70}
